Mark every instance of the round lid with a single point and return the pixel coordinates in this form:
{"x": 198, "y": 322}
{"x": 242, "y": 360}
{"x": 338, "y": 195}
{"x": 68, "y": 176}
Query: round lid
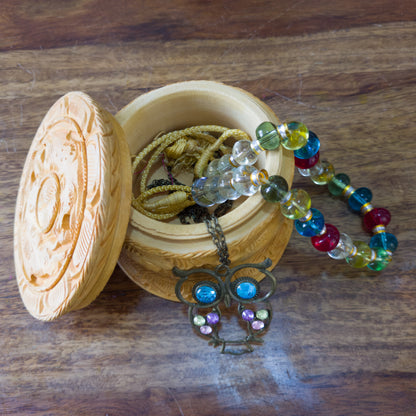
{"x": 72, "y": 208}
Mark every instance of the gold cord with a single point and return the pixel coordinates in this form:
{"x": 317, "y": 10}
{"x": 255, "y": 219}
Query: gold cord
{"x": 191, "y": 146}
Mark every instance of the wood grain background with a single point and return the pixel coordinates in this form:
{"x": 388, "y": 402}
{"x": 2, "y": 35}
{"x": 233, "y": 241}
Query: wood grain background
{"x": 342, "y": 341}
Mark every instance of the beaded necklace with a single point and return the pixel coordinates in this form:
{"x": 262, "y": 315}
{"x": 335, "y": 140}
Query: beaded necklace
{"x": 233, "y": 175}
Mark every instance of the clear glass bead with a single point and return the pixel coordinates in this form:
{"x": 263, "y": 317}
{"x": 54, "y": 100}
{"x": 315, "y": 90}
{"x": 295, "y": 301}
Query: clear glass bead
{"x": 211, "y": 189}
{"x": 304, "y": 172}
{"x": 199, "y": 193}
{"x": 243, "y": 154}
{"x": 242, "y": 180}
{"x": 343, "y": 249}
{"x": 212, "y": 168}
{"x": 224, "y": 186}
{"x": 224, "y": 164}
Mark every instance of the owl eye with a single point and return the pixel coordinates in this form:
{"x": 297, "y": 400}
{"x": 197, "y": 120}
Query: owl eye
{"x": 245, "y": 288}
{"x": 206, "y": 292}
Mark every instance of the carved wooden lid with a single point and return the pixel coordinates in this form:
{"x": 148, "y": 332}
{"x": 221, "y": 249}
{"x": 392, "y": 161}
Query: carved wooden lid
{"x": 72, "y": 208}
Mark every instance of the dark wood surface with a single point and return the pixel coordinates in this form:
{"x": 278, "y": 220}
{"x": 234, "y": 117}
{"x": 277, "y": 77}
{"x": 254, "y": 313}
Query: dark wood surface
{"x": 343, "y": 341}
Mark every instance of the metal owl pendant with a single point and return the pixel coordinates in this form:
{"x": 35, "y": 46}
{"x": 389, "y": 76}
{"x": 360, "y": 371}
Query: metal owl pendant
{"x": 225, "y": 285}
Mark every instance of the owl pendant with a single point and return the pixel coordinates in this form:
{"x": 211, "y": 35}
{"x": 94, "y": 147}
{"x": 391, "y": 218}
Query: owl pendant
{"x": 225, "y": 285}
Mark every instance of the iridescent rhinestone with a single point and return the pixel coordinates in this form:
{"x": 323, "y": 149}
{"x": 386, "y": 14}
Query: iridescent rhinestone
{"x": 213, "y": 318}
{"x": 205, "y": 329}
{"x": 262, "y": 314}
{"x": 257, "y": 325}
{"x": 247, "y": 315}
{"x": 199, "y": 320}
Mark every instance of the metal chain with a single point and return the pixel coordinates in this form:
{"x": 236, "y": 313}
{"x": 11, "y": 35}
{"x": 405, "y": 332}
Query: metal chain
{"x": 218, "y": 237}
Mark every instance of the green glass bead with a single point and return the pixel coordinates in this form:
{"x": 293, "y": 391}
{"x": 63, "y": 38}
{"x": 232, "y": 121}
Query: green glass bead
{"x": 268, "y": 136}
{"x": 338, "y": 183}
{"x": 326, "y": 174}
{"x": 275, "y": 189}
{"x": 199, "y": 320}
{"x": 262, "y": 314}
{"x": 295, "y": 135}
{"x": 362, "y": 257}
{"x": 297, "y": 206}
{"x": 382, "y": 260}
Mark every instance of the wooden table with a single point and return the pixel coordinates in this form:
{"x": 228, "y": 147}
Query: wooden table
{"x": 342, "y": 341}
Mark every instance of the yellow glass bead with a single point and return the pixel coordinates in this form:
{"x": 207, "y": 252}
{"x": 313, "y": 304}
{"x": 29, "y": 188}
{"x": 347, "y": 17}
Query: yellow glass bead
{"x": 294, "y": 135}
{"x": 326, "y": 173}
{"x": 363, "y": 256}
{"x": 297, "y": 206}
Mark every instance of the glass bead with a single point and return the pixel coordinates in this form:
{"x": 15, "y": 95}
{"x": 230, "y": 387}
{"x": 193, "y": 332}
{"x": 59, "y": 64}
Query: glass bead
{"x": 224, "y": 164}
{"x": 325, "y": 175}
{"x": 243, "y": 154}
{"x": 247, "y": 315}
{"x": 211, "y": 189}
{"x": 311, "y": 227}
{"x": 358, "y": 198}
{"x": 268, "y": 136}
{"x": 205, "y": 329}
{"x": 275, "y": 189}
{"x": 327, "y": 241}
{"x": 242, "y": 180}
{"x": 362, "y": 256}
{"x": 205, "y": 294}
{"x": 307, "y": 163}
{"x": 246, "y": 290}
{"x": 199, "y": 320}
{"x": 262, "y": 314}
{"x": 212, "y": 168}
{"x": 304, "y": 172}
{"x": 310, "y": 149}
{"x": 343, "y": 249}
{"x": 338, "y": 183}
{"x": 382, "y": 260}
{"x": 213, "y": 318}
{"x": 377, "y": 216}
{"x": 294, "y": 135}
{"x": 384, "y": 240}
{"x": 224, "y": 186}
{"x": 297, "y": 206}
{"x": 199, "y": 194}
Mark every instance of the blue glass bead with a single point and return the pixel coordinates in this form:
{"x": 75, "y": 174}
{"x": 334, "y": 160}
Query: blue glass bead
{"x": 311, "y": 227}
{"x": 384, "y": 240}
{"x": 205, "y": 294}
{"x": 359, "y": 198}
{"x": 246, "y": 290}
{"x": 310, "y": 149}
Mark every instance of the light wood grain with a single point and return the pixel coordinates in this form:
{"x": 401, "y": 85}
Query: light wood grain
{"x": 342, "y": 341}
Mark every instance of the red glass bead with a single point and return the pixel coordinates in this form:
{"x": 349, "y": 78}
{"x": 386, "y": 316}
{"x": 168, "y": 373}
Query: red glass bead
{"x": 377, "y": 216}
{"x": 327, "y": 241}
{"x": 307, "y": 163}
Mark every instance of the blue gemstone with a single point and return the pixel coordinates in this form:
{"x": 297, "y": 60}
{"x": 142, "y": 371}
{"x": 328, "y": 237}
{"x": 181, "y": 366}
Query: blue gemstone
{"x": 360, "y": 197}
{"x": 310, "y": 149}
{"x": 384, "y": 240}
{"x": 312, "y": 227}
{"x": 205, "y": 294}
{"x": 246, "y": 290}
